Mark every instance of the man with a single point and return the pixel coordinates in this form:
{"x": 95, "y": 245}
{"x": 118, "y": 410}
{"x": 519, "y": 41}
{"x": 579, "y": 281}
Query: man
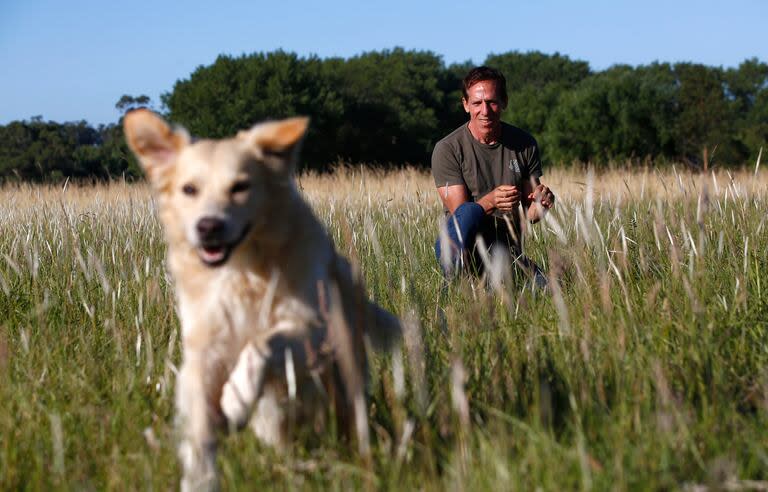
{"x": 487, "y": 174}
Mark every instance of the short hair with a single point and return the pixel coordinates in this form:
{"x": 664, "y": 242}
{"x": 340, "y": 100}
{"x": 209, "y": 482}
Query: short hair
{"x": 479, "y": 74}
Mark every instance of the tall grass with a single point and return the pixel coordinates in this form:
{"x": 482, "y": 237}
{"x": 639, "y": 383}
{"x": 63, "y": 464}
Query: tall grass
{"x": 644, "y": 368}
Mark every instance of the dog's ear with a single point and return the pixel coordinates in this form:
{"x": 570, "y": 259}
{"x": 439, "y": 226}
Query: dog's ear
{"x": 277, "y": 141}
{"x": 154, "y": 142}
{"x": 277, "y": 136}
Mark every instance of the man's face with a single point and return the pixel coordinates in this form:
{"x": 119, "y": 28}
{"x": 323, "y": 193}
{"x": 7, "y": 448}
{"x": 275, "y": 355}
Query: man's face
{"x": 484, "y": 105}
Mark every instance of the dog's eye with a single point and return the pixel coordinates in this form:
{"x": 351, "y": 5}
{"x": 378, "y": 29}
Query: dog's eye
{"x": 189, "y": 189}
{"x": 240, "y": 186}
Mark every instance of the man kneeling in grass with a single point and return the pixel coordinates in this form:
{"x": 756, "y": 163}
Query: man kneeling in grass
{"x": 485, "y": 171}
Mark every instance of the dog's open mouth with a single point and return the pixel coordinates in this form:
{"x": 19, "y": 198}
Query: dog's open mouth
{"x": 215, "y": 253}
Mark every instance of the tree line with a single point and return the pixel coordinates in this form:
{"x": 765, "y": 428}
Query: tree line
{"x": 390, "y": 107}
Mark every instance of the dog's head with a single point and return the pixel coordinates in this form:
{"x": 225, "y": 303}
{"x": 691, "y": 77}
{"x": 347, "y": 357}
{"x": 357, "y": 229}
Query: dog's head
{"x": 213, "y": 193}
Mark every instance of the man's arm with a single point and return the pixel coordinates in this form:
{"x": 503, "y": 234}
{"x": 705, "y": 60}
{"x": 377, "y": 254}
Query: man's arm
{"x": 504, "y": 198}
{"x": 537, "y": 199}
{"x": 453, "y": 196}
{"x": 446, "y": 168}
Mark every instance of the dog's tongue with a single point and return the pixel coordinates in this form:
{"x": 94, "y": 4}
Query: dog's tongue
{"x": 213, "y": 254}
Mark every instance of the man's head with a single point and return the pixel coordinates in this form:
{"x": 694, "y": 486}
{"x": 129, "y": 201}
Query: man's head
{"x": 489, "y": 74}
{"x": 484, "y": 97}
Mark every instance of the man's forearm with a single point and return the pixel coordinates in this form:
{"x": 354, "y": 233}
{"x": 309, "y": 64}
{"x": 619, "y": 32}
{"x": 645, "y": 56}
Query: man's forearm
{"x": 487, "y": 204}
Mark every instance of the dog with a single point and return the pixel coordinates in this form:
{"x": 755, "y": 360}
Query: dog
{"x": 274, "y": 322}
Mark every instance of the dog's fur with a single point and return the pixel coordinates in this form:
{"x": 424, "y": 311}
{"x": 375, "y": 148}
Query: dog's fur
{"x": 272, "y": 318}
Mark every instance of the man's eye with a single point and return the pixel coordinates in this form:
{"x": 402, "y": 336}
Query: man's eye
{"x": 189, "y": 189}
{"x": 240, "y": 186}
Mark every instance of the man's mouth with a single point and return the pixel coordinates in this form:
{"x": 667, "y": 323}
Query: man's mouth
{"x": 215, "y": 253}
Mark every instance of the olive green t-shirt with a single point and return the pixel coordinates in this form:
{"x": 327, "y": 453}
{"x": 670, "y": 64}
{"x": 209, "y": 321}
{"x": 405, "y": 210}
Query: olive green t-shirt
{"x": 460, "y": 159}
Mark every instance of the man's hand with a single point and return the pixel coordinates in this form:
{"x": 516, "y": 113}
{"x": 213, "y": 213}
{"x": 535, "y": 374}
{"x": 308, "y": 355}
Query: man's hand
{"x": 542, "y": 194}
{"x": 504, "y": 199}
{"x": 540, "y": 199}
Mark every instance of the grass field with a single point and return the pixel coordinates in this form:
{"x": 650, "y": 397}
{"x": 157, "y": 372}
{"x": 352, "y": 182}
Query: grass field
{"x": 645, "y": 368}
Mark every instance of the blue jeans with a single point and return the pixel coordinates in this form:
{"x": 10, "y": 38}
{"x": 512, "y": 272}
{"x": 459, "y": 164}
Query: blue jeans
{"x": 468, "y": 222}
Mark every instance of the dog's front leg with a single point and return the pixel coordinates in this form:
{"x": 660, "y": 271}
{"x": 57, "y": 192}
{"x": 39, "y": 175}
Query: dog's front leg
{"x": 243, "y": 387}
{"x": 197, "y": 448}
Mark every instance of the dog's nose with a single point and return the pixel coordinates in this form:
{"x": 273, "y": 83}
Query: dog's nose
{"x": 210, "y": 227}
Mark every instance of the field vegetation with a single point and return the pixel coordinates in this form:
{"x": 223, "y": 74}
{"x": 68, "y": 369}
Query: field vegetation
{"x": 644, "y": 366}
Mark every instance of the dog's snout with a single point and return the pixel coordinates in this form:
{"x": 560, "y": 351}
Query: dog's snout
{"x": 210, "y": 227}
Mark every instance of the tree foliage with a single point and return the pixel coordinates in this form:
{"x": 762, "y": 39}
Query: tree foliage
{"x": 391, "y": 106}
{"x": 127, "y": 102}
{"x": 35, "y": 150}
{"x": 375, "y": 107}
{"x": 617, "y": 114}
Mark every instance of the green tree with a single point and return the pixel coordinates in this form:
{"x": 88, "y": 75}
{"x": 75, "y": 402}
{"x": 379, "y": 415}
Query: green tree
{"x": 48, "y": 151}
{"x": 127, "y": 103}
{"x": 234, "y": 93}
{"x": 747, "y": 89}
{"x": 375, "y": 107}
{"x": 705, "y": 119}
{"x": 754, "y": 130}
{"x": 115, "y": 157}
{"x": 616, "y": 114}
{"x": 391, "y": 105}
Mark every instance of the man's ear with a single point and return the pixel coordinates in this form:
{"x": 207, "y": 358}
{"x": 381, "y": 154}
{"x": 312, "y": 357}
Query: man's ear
{"x": 465, "y": 103}
{"x": 277, "y": 141}
{"x": 153, "y": 141}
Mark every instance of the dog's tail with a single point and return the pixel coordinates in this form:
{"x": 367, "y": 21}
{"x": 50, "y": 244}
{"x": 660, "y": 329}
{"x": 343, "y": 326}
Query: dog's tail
{"x": 383, "y": 328}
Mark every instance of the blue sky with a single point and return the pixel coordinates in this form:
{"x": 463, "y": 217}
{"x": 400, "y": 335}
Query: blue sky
{"x": 72, "y": 60}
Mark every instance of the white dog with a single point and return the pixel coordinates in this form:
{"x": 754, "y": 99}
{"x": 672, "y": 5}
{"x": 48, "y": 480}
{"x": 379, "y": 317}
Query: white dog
{"x": 271, "y": 316}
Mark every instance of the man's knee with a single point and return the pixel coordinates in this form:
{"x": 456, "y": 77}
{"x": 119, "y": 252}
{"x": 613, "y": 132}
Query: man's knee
{"x": 458, "y": 238}
{"x": 469, "y": 212}
{"x": 465, "y": 223}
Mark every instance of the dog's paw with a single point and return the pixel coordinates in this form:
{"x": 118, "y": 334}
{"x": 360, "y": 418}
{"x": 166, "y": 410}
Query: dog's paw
{"x": 243, "y": 387}
{"x": 234, "y": 407}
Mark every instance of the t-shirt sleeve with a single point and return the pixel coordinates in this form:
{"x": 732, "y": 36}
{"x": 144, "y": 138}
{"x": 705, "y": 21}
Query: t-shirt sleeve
{"x": 533, "y": 163}
{"x": 446, "y": 168}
